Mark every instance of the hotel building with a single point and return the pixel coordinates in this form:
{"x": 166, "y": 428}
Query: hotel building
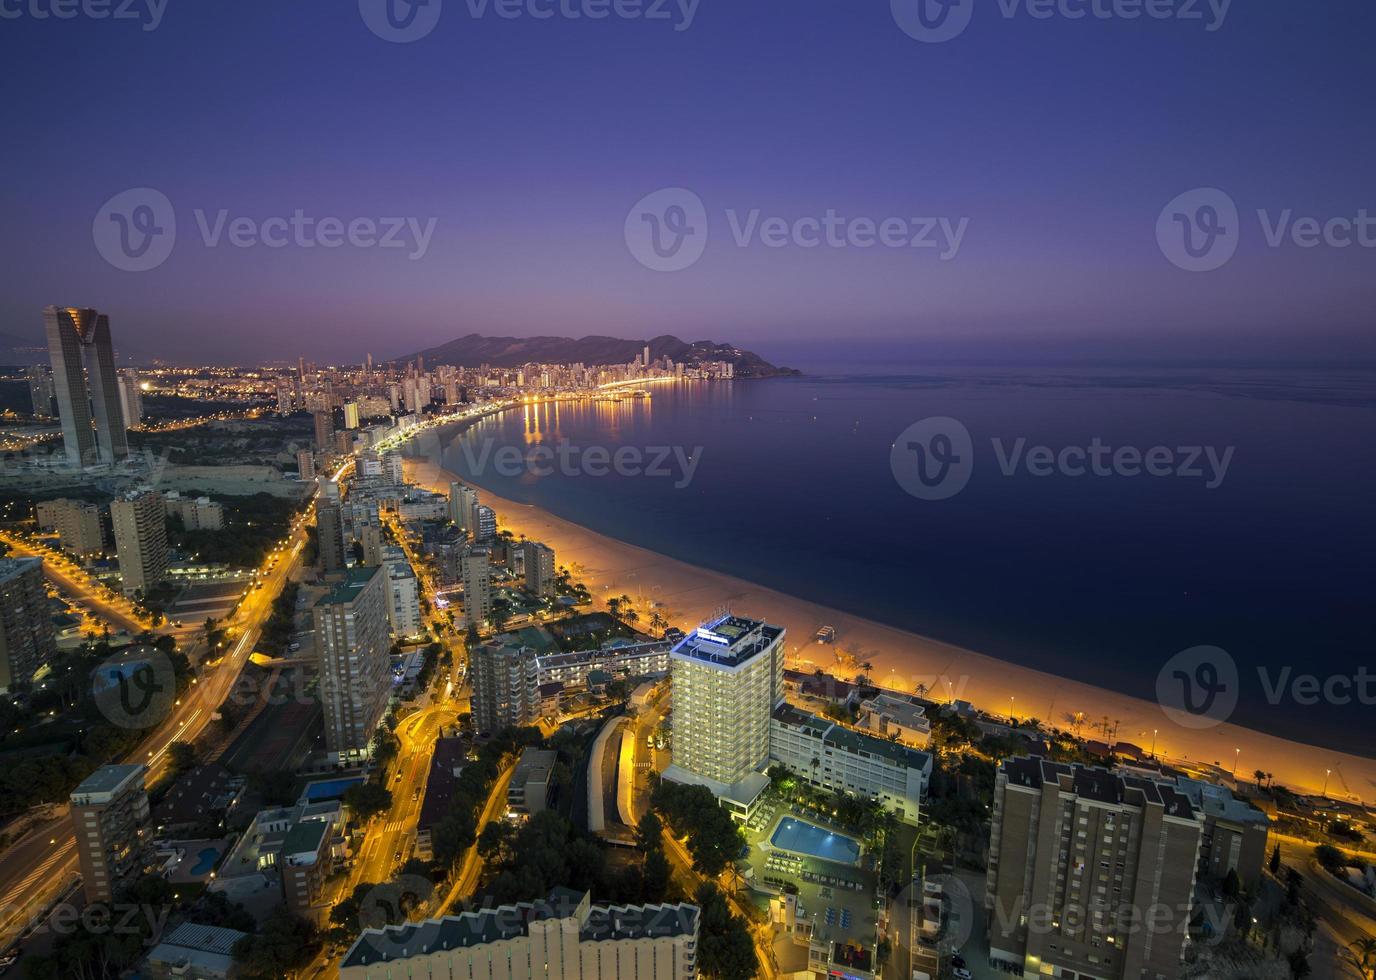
{"x": 843, "y": 760}
{"x": 727, "y": 678}
{"x": 1091, "y": 872}
{"x": 563, "y": 938}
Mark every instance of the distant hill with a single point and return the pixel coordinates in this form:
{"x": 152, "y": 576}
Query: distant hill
{"x": 475, "y": 349}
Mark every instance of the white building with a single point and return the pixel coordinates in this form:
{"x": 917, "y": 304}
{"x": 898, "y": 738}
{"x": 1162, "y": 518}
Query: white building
{"x": 843, "y": 760}
{"x": 403, "y": 607}
{"x": 891, "y": 715}
{"x": 77, "y": 523}
{"x": 727, "y": 677}
{"x": 198, "y": 513}
{"x": 618, "y": 659}
{"x": 475, "y": 569}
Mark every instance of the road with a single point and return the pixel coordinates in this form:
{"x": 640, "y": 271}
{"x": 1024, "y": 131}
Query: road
{"x": 72, "y": 580}
{"x": 37, "y": 867}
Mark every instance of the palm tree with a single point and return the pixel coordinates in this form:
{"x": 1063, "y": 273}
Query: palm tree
{"x": 1260, "y": 774}
{"x": 1362, "y": 954}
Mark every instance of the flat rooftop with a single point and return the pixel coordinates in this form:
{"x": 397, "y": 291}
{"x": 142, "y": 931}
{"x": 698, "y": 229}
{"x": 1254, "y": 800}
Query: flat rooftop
{"x": 729, "y": 641}
{"x": 107, "y": 779}
{"x": 347, "y": 590}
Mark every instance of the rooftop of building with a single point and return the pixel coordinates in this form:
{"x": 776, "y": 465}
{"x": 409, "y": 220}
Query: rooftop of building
{"x": 509, "y": 921}
{"x": 849, "y": 740}
{"x": 534, "y": 764}
{"x": 12, "y": 567}
{"x": 107, "y": 779}
{"x": 347, "y": 590}
{"x": 1216, "y": 801}
{"x": 729, "y": 641}
{"x": 1098, "y": 784}
{"x": 449, "y": 755}
{"x": 305, "y": 837}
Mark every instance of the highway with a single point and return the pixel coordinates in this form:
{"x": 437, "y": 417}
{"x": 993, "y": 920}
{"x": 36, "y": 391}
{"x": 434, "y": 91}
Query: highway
{"x": 37, "y": 867}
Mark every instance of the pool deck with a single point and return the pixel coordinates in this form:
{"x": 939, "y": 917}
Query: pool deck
{"x": 767, "y": 841}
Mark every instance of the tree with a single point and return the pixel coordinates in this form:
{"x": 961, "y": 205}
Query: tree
{"x": 1275, "y": 860}
{"x": 1362, "y": 955}
{"x": 284, "y": 945}
{"x": 181, "y": 756}
{"x": 1330, "y": 858}
{"x": 725, "y": 949}
{"x": 1232, "y": 885}
{"x": 367, "y": 800}
{"x": 1259, "y": 775}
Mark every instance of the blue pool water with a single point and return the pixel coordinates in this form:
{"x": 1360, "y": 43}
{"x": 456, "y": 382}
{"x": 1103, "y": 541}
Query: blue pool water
{"x": 208, "y": 857}
{"x": 330, "y": 789}
{"x": 801, "y": 837}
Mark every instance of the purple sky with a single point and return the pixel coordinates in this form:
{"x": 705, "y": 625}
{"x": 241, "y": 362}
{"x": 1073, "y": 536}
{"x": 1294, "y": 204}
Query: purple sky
{"x": 527, "y": 142}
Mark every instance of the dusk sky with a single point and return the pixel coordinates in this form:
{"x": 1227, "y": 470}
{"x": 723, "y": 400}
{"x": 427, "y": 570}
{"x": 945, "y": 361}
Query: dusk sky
{"x": 528, "y": 142}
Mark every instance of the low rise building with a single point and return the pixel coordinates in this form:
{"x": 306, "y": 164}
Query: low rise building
{"x": 1235, "y": 832}
{"x": 196, "y": 513}
{"x": 447, "y": 761}
{"x": 843, "y": 760}
{"x": 622, "y": 659}
{"x": 193, "y": 952}
{"x": 892, "y": 715}
{"x": 77, "y": 523}
{"x": 531, "y": 781}
{"x": 565, "y": 937}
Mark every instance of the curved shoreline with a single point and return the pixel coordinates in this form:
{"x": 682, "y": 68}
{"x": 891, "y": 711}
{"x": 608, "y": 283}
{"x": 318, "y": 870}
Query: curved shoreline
{"x": 902, "y": 659}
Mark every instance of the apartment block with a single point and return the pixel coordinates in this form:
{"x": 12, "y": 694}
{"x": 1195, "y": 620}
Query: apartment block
{"x": 539, "y": 569}
{"x": 77, "y": 523}
{"x": 1091, "y": 873}
{"x": 109, "y": 809}
{"x": 27, "y": 637}
{"x": 351, "y": 635}
{"x": 505, "y": 687}
{"x": 563, "y": 938}
{"x": 139, "y": 519}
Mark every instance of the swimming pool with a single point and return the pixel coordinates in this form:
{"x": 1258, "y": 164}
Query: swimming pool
{"x": 206, "y": 862}
{"x": 329, "y": 789}
{"x": 801, "y": 837}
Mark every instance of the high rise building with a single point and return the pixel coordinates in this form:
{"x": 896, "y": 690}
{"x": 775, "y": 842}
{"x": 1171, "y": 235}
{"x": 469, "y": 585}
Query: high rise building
{"x": 329, "y": 535}
{"x": 80, "y": 338}
{"x": 463, "y": 507}
{"x": 305, "y": 464}
{"x": 77, "y": 523}
{"x": 475, "y": 571}
{"x": 403, "y": 593}
{"x": 564, "y": 938}
{"x": 506, "y": 687}
{"x": 285, "y": 400}
{"x": 41, "y": 391}
{"x": 130, "y": 397}
{"x": 727, "y": 677}
{"x": 109, "y": 809}
{"x": 351, "y": 640}
{"x": 485, "y": 530}
{"x": 140, "y": 524}
{"x": 324, "y": 429}
{"x": 27, "y": 639}
{"x": 539, "y": 569}
{"x": 351, "y": 415}
{"x": 1077, "y": 857}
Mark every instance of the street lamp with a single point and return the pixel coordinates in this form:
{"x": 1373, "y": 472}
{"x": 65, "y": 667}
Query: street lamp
{"x": 1326, "y": 774}
{"x": 1237, "y": 753}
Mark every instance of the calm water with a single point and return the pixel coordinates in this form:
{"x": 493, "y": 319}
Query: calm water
{"x": 1101, "y": 579}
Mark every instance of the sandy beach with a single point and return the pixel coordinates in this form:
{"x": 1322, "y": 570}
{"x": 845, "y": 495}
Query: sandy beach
{"x": 689, "y": 595}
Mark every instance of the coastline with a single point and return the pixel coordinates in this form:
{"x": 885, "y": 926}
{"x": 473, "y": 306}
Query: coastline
{"x": 902, "y": 660}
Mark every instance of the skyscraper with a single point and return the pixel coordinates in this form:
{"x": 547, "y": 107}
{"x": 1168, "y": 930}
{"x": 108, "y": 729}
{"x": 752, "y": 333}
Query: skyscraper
{"x": 475, "y": 568}
{"x": 109, "y": 809}
{"x": 329, "y": 532}
{"x": 324, "y": 430}
{"x": 486, "y": 529}
{"x": 506, "y": 687}
{"x": 351, "y": 415}
{"x": 539, "y": 569}
{"x": 305, "y": 464}
{"x": 77, "y": 338}
{"x": 351, "y": 639}
{"x": 727, "y": 677}
{"x": 140, "y": 523}
{"x": 27, "y": 640}
{"x": 463, "y": 507}
{"x": 1077, "y": 857}
{"x": 41, "y": 391}
{"x": 130, "y": 397}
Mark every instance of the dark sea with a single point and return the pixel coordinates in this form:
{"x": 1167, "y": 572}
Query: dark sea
{"x": 1097, "y": 577}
